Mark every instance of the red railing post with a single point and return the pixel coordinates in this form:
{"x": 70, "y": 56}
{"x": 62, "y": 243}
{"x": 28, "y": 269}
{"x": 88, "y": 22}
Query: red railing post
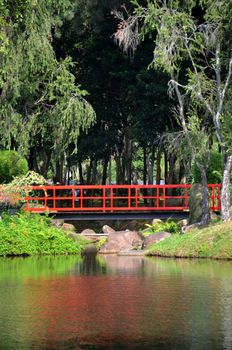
{"x": 136, "y": 197}
{"x": 164, "y": 196}
{"x": 81, "y": 198}
{"x": 111, "y": 198}
{"x": 213, "y": 197}
{"x": 54, "y": 198}
{"x": 219, "y": 197}
{"x": 27, "y": 200}
{"x": 73, "y": 197}
{"x": 186, "y": 196}
{"x": 157, "y": 199}
{"x": 104, "y": 199}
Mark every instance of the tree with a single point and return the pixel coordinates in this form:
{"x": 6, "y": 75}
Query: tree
{"x": 11, "y": 164}
{"x": 129, "y": 116}
{"x": 41, "y": 104}
{"x": 191, "y": 47}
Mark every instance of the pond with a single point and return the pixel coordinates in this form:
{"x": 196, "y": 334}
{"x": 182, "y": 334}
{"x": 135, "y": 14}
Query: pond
{"x": 112, "y": 302}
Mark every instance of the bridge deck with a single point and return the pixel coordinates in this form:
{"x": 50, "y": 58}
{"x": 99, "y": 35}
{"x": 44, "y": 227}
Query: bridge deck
{"x": 75, "y": 216}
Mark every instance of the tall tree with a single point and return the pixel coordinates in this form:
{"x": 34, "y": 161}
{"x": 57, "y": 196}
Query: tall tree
{"x": 119, "y": 88}
{"x": 200, "y": 47}
{"x": 40, "y": 100}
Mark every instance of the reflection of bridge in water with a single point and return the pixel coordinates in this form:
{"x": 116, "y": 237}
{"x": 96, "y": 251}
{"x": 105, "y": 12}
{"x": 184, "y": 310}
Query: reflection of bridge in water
{"x": 95, "y": 202}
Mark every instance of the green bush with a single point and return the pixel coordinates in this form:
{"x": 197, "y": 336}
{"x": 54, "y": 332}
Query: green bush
{"x": 167, "y": 226}
{"x": 214, "y": 173}
{"x": 33, "y": 234}
{"x": 12, "y": 194}
{"x": 11, "y": 164}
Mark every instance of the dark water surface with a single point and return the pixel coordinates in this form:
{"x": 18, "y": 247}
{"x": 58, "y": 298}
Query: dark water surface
{"x": 115, "y": 303}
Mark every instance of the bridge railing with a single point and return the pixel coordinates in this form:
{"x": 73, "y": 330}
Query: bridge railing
{"x": 115, "y": 198}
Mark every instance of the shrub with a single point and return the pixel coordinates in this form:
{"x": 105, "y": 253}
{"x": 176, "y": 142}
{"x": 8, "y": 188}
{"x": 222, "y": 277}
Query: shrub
{"x": 168, "y": 226}
{"x": 33, "y": 234}
{"x": 12, "y": 194}
{"x": 11, "y": 164}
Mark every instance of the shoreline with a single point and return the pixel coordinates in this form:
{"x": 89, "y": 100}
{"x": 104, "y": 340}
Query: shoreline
{"x": 212, "y": 242}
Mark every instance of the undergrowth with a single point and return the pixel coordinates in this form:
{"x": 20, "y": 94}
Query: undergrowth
{"x": 32, "y": 234}
{"x": 160, "y": 226}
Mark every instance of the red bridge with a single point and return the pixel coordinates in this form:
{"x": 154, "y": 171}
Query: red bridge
{"x": 115, "y": 199}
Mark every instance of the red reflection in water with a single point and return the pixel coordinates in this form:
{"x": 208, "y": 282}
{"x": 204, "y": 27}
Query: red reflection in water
{"x": 122, "y": 306}
{"x": 99, "y": 309}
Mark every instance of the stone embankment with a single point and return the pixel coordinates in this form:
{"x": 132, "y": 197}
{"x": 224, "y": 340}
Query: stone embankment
{"x": 125, "y": 242}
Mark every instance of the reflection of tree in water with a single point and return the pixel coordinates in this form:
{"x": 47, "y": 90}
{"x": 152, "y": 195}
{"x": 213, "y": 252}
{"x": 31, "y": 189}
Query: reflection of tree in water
{"x": 91, "y": 264}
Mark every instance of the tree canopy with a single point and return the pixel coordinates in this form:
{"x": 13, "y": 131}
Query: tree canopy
{"x": 40, "y": 99}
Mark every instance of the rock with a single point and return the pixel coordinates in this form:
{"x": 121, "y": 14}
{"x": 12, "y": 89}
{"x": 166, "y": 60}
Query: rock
{"x": 73, "y": 235}
{"x": 183, "y": 222}
{"x": 214, "y": 216}
{"x": 156, "y": 221}
{"x": 89, "y": 249}
{"x": 88, "y": 231}
{"x": 121, "y": 240}
{"x": 155, "y": 238}
{"x": 137, "y": 244}
{"x": 195, "y": 204}
{"x": 93, "y": 238}
{"x": 188, "y": 228}
{"x": 107, "y": 229}
{"x": 57, "y": 222}
{"x": 68, "y": 227}
{"x": 129, "y": 252}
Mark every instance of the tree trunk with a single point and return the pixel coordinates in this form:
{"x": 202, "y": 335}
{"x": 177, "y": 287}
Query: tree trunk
{"x": 128, "y": 155}
{"x": 110, "y": 170}
{"x": 182, "y": 171}
{"x": 165, "y": 167}
{"x": 151, "y": 175}
{"x": 171, "y": 169}
{"x": 80, "y": 173}
{"x": 225, "y": 195}
{"x": 205, "y": 217}
{"x": 32, "y": 159}
{"x": 104, "y": 170}
{"x": 158, "y": 167}
{"x": 144, "y": 165}
{"x": 59, "y": 171}
{"x": 119, "y": 170}
{"x": 89, "y": 171}
{"x": 151, "y": 167}
{"x": 94, "y": 173}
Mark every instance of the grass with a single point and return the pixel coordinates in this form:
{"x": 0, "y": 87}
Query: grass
{"x": 214, "y": 241}
{"x": 32, "y": 234}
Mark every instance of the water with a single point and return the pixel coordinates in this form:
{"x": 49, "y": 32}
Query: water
{"x": 115, "y": 303}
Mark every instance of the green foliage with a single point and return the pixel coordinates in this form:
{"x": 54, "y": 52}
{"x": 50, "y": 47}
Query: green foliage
{"x": 101, "y": 243}
{"x": 195, "y": 50}
{"x": 214, "y": 241}
{"x": 32, "y": 234}
{"x": 227, "y": 122}
{"x": 50, "y": 106}
{"x": 11, "y": 164}
{"x": 214, "y": 172}
{"x": 12, "y": 194}
{"x": 158, "y": 226}
{"x": 29, "y": 179}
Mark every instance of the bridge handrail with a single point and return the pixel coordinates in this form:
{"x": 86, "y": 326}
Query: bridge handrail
{"x": 115, "y": 198}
